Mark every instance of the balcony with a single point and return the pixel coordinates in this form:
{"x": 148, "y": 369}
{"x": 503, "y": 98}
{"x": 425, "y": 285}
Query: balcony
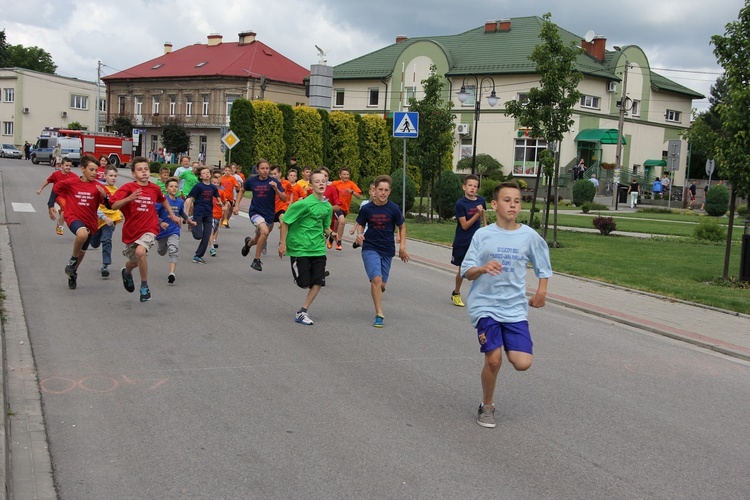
{"x": 158, "y": 120}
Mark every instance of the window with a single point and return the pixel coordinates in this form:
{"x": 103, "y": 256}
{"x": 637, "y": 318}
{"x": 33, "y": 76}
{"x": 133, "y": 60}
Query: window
{"x": 205, "y": 105}
{"x": 102, "y": 104}
{"x": 155, "y": 105}
{"x": 373, "y": 97}
{"x": 188, "y": 105}
{"x": 230, "y": 101}
{"x": 672, "y": 115}
{"x": 338, "y": 97}
{"x": 9, "y": 95}
{"x": 526, "y": 154}
{"x": 471, "y": 92}
{"x": 172, "y": 105}
{"x": 590, "y": 101}
{"x": 7, "y": 128}
{"x": 121, "y": 104}
{"x": 201, "y": 64}
{"x": 79, "y": 101}
{"x": 410, "y": 92}
{"x": 522, "y": 97}
{"x": 138, "y": 105}
{"x": 635, "y": 108}
{"x": 154, "y": 142}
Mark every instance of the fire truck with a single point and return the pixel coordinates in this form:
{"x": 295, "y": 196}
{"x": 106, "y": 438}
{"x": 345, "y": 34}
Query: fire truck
{"x": 118, "y": 149}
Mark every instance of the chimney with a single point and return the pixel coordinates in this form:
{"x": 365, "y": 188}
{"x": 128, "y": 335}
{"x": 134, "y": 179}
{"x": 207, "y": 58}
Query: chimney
{"x": 167, "y": 47}
{"x": 246, "y": 37}
{"x": 503, "y": 25}
{"x": 596, "y": 48}
{"x": 214, "y": 39}
{"x": 490, "y": 26}
{"x": 401, "y": 38}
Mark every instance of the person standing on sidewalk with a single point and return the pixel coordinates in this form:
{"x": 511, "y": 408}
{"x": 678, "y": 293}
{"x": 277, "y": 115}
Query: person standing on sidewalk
{"x": 470, "y": 216}
{"x": 496, "y": 262}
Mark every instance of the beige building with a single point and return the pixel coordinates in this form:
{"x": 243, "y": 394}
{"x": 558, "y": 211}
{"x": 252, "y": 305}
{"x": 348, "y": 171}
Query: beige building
{"x": 196, "y": 85}
{"x": 31, "y": 101}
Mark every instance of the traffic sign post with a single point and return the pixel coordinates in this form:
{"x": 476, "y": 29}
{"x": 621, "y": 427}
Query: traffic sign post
{"x": 230, "y": 140}
{"x": 406, "y": 126}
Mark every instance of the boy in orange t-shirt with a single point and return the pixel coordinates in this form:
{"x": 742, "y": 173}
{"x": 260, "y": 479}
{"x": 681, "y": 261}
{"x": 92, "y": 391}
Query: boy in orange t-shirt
{"x": 221, "y": 206}
{"x": 346, "y": 189}
{"x": 228, "y": 185}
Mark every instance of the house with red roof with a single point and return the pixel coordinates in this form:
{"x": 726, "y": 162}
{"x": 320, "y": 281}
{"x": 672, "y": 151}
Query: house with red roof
{"x": 196, "y": 86}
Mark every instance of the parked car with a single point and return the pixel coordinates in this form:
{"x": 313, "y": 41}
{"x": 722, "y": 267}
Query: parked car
{"x": 10, "y": 151}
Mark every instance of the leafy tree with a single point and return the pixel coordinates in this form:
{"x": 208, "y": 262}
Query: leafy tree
{"x": 344, "y": 143}
{"x": 3, "y": 50}
{"x": 733, "y": 155}
{"x": 76, "y": 126}
{"x": 397, "y": 187}
{"x": 33, "y": 58}
{"x": 375, "y": 150}
{"x": 704, "y": 134}
{"x": 175, "y": 137}
{"x": 583, "y": 192}
{"x": 717, "y": 201}
{"x": 433, "y": 149}
{"x": 487, "y": 167}
{"x": 549, "y": 108}
{"x": 269, "y": 132}
{"x": 448, "y": 194}
{"x": 122, "y": 125}
{"x": 308, "y": 136}
{"x": 288, "y": 113}
{"x": 242, "y": 123}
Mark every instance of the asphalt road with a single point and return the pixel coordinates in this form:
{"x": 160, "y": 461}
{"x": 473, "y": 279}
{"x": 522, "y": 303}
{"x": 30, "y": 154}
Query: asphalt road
{"x": 210, "y": 390}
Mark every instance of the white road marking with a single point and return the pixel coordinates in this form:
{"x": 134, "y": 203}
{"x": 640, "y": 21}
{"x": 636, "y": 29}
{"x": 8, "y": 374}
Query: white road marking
{"x": 23, "y": 207}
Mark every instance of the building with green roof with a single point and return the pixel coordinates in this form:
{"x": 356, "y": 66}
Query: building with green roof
{"x": 658, "y": 109}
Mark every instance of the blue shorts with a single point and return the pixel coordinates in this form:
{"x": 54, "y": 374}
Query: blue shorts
{"x": 458, "y": 254}
{"x": 492, "y": 334}
{"x": 376, "y": 265}
{"x": 74, "y": 227}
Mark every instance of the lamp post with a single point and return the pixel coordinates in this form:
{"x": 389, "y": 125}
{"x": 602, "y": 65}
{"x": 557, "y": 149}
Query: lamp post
{"x": 491, "y": 100}
{"x": 620, "y": 124}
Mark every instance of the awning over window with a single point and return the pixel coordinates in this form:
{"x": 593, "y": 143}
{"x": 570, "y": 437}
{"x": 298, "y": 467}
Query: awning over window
{"x": 655, "y": 163}
{"x": 602, "y": 135}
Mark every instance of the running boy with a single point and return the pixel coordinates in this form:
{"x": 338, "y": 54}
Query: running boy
{"x": 57, "y": 176}
{"x": 162, "y": 180}
{"x": 496, "y": 262}
{"x": 303, "y": 227}
{"x": 230, "y": 185}
{"x": 199, "y": 203}
{"x": 265, "y": 190}
{"x": 137, "y": 200}
{"x": 82, "y": 197}
{"x": 332, "y": 195}
{"x": 108, "y": 219}
{"x": 381, "y": 216}
{"x": 221, "y": 206}
{"x": 469, "y": 216}
{"x": 346, "y": 189}
{"x": 168, "y": 239}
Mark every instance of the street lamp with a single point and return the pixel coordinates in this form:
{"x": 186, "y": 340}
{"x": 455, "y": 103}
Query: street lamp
{"x": 620, "y": 125}
{"x": 491, "y": 100}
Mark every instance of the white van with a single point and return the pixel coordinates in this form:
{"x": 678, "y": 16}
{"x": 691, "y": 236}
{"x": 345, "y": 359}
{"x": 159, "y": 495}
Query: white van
{"x": 42, "y": 150}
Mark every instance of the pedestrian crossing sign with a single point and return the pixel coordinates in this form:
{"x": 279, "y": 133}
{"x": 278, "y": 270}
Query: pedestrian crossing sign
{"x": 406, "y": 124}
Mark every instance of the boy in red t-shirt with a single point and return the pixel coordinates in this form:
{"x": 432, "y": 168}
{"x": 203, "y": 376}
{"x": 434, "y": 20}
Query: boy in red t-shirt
{"x": 228, "y": 185}
{"x": 346, "y": 189}
{"x": 82, "y": 197}
{"x": 136, "y": 201}
{"x": 57, "y": 176}
{"x": 332, "y": 195}
{"x": 220, "y": 208}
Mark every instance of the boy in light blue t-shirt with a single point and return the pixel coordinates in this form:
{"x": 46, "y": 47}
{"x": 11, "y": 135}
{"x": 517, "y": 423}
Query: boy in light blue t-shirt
{"x": 497, "y": 306}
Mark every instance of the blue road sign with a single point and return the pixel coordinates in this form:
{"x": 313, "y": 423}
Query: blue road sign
{"x": 405, "y": 124}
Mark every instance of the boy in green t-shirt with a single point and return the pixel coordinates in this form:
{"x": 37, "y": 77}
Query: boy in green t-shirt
{"x": 162, "y": 180}
{"x": 304, "y": 226}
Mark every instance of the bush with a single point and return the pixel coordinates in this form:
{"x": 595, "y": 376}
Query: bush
{"x": 655, "y": 210}
{"x": 717, "y": 201}
{"x": 448, "y": 193}
{"x": 397, "y": 188}
{"x": 742, "y": 211}
{"x": 587, "y": 207}
{"x": 354, "y": 206}
{"x": 583, "y": 192}
{"x": 486, "y": 189}
{"x": 155, "y": 166}
{"x": 710, "y": 230}
{"x": 605, "y": 225}
{"x": 523, "y": 220}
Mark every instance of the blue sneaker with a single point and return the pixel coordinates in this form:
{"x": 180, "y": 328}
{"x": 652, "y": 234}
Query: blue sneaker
{"x": 127, "y": 281}
{"x": 198, "y": 260}
{"x": 145, "y": 294}
{"x": 378, "y": 322}
{"x": 212, "y": 252}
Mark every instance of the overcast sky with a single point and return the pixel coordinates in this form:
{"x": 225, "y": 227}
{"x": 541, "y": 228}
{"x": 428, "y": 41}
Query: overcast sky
{"x": 674, "y": 34}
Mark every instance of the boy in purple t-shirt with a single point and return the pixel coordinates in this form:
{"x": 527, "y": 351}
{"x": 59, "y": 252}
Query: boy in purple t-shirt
{"x": 469, "y": 217}
{"x": 262, "y": 209}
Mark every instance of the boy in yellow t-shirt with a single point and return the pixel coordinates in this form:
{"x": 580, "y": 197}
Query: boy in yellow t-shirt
{"x": 108, "y": 219}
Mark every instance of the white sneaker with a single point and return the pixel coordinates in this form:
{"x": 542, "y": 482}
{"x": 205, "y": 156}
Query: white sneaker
{"x": 303, "y": 318}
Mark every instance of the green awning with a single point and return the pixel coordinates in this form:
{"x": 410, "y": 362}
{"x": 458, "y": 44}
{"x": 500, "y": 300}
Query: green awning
{"x": 655, "y": 163}
{"x": 602, "y": 135}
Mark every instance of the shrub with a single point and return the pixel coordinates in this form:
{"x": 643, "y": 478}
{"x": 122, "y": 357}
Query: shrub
{"x": 587, "y": 207}
{"x": 344, "y": 143}
{"x": 523, "y": 220}
{"x": 397, "y": 188}
{"x": 486, "y": 189}
{"x": 605, "y": 225}
{"x": 583, "y": 192}
{"x": 242, "y": 123}
{"x": 448, "y": 193}
{"x": 717, "y": 201}
{"x": 308, "y": 135}
{"x": 710, "y": 230}
{"x": 655, "y": 210}
{"x": 269, "y": 132}
{"x": 742, "y": 211}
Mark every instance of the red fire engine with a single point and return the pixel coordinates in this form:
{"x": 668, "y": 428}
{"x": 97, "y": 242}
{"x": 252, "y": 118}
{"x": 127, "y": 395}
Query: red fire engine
{"x": 118, "y": 149}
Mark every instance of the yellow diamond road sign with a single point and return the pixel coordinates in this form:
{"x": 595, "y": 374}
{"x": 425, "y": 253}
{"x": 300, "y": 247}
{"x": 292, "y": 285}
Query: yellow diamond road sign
{"x": 230, "y": 140}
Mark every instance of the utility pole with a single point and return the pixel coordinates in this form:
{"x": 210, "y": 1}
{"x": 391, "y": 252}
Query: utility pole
{"x": 620, "y": 125}
{"x": 98, "y": 99}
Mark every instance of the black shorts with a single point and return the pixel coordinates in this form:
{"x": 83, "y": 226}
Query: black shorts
{"x": 277, "y": 215}
{"x": 458, "y": 254}
{"x": 339, "y": 213}
{"x": 309, "y": 271}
